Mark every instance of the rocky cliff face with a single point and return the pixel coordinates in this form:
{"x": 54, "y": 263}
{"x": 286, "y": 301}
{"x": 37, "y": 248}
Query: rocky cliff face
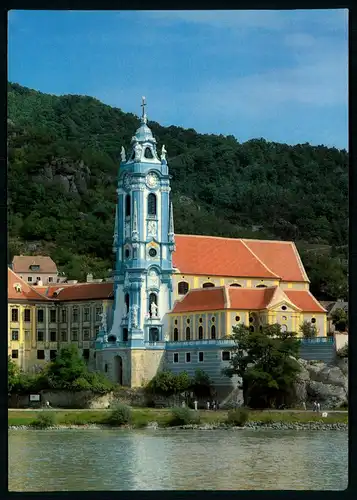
{"x": 324, "y": 383}
{"x": 73, "y": 176}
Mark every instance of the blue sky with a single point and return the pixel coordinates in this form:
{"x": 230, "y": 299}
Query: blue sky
{"x": 280, "y": 75}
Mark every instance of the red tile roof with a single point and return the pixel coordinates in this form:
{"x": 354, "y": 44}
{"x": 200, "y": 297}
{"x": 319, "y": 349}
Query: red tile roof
{"x": 211, "y": 256}
{"x": 202, "y": 299}
{"x": 304, "y": 300}
{"x": 79, "y": 291}
{"x": 281, "y": 257}
{"x": 22, "y": 263}
{"x": 250, "y": 299}
{"x": 25, "y": 291}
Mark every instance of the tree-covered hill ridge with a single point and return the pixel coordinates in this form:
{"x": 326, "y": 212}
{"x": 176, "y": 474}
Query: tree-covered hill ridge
{"x": 63, "y": 164}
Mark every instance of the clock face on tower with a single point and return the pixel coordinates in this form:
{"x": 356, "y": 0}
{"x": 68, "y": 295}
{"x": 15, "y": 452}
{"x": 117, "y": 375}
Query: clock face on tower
{"x": 152, "y": 180}
{"x": 126, "y": 181}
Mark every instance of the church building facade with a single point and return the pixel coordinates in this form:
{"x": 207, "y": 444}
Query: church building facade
{"x": 177, "y": 297}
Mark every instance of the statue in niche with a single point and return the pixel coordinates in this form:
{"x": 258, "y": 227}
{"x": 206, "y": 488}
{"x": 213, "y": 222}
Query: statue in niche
{"x": 138, "y": 150}
{"x": 163, "y": 152}
{"x": 103, "y": 321}
{"x": 153, "y": 310}
{"x": 134, "y": 316}
{"x": 122, "y": 153}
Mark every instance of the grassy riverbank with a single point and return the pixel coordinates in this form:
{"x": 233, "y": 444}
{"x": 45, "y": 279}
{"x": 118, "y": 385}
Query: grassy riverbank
{"x": 142, "y": 416}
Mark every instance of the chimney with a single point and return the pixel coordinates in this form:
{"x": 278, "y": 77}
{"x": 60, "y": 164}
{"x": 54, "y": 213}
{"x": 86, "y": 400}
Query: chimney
{"x": 89, "y": 278}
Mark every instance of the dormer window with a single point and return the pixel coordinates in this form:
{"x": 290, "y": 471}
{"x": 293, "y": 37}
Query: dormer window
{"x": 34, "y": 268}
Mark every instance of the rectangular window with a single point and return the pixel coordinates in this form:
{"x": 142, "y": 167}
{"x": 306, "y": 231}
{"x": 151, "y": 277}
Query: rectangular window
{"x": 98, "y": 312}
{"x": 96, "y": 329}
{"x": 14, "y": 353}
{"x": 27, "y": 334}
{"x": 86, "y": 314}
{"x": 27, "y": 315}
{"x": 53, "y": 336}
{"x": 200, "y": 357}
{"x": 15, "y": 315}
{"x": 40, "y": 354}
{"x": 86, "y": 334}
{"x": 14, "y": 335}
{"x": 53, "y": 354}
{"x": 64, "y": 315}
{"x": 176, "y": 357}
{"x": 53, "y": 316}
{"x": 29, "y": 279}
{"x": 38, "y": 278}
{"x": 63, "y": 335}
{"x": 50, "y": 279}
{"x": 40, "y": 316}
{"x": 74, "y": 335}
{"x": 188, "y": 357}
{"x": 226, "y": 355}
{"x": 86, "y": 353}
{"x": 75, "y": 315}
{"x": 125, "y": 335}
{"x": 40, "y": 336}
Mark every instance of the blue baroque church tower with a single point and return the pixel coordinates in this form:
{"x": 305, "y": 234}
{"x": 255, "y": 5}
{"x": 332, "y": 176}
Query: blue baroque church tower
{"x": 131, "y": 349}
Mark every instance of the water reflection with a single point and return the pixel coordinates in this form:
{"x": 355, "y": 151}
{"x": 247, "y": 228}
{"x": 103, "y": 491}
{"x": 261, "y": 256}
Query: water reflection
{"x": 72, "y": 460}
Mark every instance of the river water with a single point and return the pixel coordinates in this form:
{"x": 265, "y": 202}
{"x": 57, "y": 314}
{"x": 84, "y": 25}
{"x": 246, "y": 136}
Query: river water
{"x": 69, "y": 460}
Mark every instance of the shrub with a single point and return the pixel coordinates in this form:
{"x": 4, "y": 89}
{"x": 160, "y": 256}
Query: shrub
{"x": 120, "y": 415}
{"x": 183, "y": 416}
{"x": 238, "y": 417}
{"x": 44, "y": 420}
{"x": 343, "y": 352}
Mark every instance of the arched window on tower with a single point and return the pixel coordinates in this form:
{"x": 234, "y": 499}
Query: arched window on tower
{"x": 208, "y": 285}
{"x": 175, "y": 335}
{"x": 127, "y": 303}
{"x": 200, "y": 332}
{"x": 153, "y": 308}
{"x": 213, "y": 332}
{"x": 182, "y": 288}
{"x": 127, "y": 205}
{"x": 148, "y": 153}
{"x": 188, "y": 333}
{"x": 152, "y": 205}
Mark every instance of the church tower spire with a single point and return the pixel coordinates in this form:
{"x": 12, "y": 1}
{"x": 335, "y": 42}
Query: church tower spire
{"x": 143, "y": 244}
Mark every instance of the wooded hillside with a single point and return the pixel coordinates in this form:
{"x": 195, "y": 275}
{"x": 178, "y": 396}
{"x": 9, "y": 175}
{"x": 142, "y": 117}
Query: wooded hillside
{"x": 63, "y": 166}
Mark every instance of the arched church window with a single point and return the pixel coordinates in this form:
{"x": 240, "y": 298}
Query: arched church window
{"x": 188, "y": 333}
{"x": 237, "y": 285}
{"x": 127, "y": 303}
{"x": 182, "y": 288}
{"x": 112, "y": 338}
{"x": 127, "y": 205}
{"x": 175, "y": 335}
{"x": 213, "y": 332}
{"x": 152, "y": 205}
{"x": 200, "y": 332}
{"x": 261, "y": 286}
{"x": 148, "y": 153}
{"x": 208, "y": 285}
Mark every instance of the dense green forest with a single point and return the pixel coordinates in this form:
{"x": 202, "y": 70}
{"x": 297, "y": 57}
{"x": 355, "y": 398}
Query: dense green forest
{"x": 63, "y": 159}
